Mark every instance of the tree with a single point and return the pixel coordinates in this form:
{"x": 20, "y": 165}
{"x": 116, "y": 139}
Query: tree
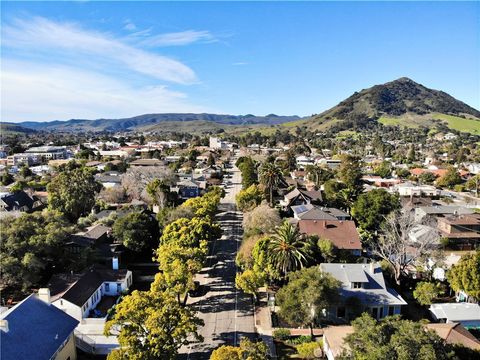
{"x": 262, "y": 220}
{"x": 450, "y": 179}
{"x": 425, "y": 292}
{"x": 211, "y": 160}
{"x": 384, "y": 169}
{"x": 72, "y": 192}
{"x": 307, "y": 296}
{"x": 370, "y": 208}
{"x": 270, "y": 176}
{"x": 465, "y": 275}
{"x": 350, "y": 173}
{"x": 25, "y": 172}
{"x": 318, "y": 174}
{"x": 427, "y": 178}
{"x": 135, "y": 230}
{"x": 327, "y": 249}
{"x": 30, "y": 245}
{"x": 248, "y": 350}
{"x": 393, "y": 338}
{"x": 152, "y": 325}
{"x": 248, "y": 170}
{"x": 411, "y": 154}
{"x": 205, "y": 205}
{"x": 136, "y": 179}
{"x": 7, "y": 178}
{"x": 286, "y": 249}
{"x": 394, "y": 245}
{"x": 249, "y": 281}
{"x": 332, "y": 190}
{"x": 249, "y": 198}
{"x": 158, "y": 191}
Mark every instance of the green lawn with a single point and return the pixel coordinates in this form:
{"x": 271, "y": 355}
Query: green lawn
{"x": 460, "y": 124}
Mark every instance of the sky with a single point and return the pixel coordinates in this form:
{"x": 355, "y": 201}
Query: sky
{"x": 89, "y": 60}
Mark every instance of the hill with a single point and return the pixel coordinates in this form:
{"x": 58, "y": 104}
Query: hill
{"x": 161, "y": 122}
{"x": 401, "y": 102}
{"x": 7, "y": 129}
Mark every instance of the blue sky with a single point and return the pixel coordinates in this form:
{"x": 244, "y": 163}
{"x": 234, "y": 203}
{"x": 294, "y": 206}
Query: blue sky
{"x": 63, "y": 60}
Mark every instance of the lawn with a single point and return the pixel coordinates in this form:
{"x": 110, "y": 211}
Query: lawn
{"x": 460, "y": 124}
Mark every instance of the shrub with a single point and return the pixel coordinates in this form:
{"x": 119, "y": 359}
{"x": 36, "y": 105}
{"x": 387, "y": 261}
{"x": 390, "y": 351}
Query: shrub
{"x": 281, "y": 334}
{"x": 307, "y": 350}
{"x": 301, "y": 340}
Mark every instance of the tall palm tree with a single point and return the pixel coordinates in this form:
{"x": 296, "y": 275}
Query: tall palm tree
{"x": 270, "y": 176}
{"x": 287, "y": 249}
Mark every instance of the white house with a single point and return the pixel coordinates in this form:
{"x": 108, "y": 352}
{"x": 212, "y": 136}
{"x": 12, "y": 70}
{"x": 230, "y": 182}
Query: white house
{"x": 465, "y": 313}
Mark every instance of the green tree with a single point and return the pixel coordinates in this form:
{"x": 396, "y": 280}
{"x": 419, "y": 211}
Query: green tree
{"x": 384, "y": 169}
{"x": 425, "y": 292}
{"x": 30, "y": 245}
{"x": 411, "y": 156}
{"x": 205, "y": 205}
{"x": 210, "y": 160}
{"x": 7, "y": 178}
{"x": 158, "y": 190}
{"x": 248, "y": 350}
{"x": 393, "y": 338}
{"x": 286, "y": 249}
{"x": 25, "y": 172}
{"x": 465, "y": 275}
{"x": 152, "y": 326}
{"x": 135, "y": 230}
{"x": 371, "y": 208}
{"x": 249, "y": 281}
{"x": 332, "y": 190}
{"x": 248, "y": 170}
{"x": 427, "y": 178}
{"x": 450, "y": 179}
{"x": 303, "y": 300}
{"x": 249, "y": 198}
{"x": 72, "y": 192}
{"x": 327, "y": 249}
{"x": 350, "y": 173}
{"x": 318, "y": 175}
{"x": 270, "y": 176}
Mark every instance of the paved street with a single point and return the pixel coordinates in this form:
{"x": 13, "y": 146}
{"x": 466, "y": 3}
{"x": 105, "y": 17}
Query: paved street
{"x": 227, "y": 313}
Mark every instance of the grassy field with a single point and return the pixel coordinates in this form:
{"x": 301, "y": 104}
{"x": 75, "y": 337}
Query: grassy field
{"x": 387, "y": 121}
{"x": 347, "y": 134}
{"x": 471, "y": 126}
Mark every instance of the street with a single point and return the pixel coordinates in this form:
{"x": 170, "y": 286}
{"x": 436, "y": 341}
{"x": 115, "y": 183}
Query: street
{"x": 227, "y": 312}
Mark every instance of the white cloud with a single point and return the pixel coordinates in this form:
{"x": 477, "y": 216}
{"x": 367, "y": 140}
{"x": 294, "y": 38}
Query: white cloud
{"x": 179, "y": 38}
{"x": 34, "y": 92}
{"x": 129, "y": 25}
{"x": 59, "y": 41}
{"x": 240, "y": 63}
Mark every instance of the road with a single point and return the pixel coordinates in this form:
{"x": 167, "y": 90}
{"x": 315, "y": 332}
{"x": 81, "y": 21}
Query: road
{"x": 227, "y": 313}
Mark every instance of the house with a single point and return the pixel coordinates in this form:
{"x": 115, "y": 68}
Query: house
{"x": 88, "y": 297}
{"x": 409, "y": 189}
{"x": 438, "y": 211}
{"x": 109, "y": 179}
{"x": 36, "y": 330}
{"x": 466, "y": 314}
{"x": 96, "y": 237}
{"x": 19, "y": 201}
{"x": 188, "y": 189}
{"x": 313, "y": 212}
{"x": 455, "y": 334}
{"x": 48, "y": 152}
{"x": 366, "y": 283}
{"x": 147, "y": 162}
{"x": 342, "y": 233}
{"x": 304, "y": 161}
{"x": 300, "y": 197}
{"x": 462, "y": 231}
{"x": 329, "y": 163}
{"x": 334, "y": 341}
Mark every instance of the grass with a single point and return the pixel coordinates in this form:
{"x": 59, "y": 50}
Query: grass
{"x": 347, "y": 134}
{"x": 388, "y": 121}
{"x": 471, "y": 126}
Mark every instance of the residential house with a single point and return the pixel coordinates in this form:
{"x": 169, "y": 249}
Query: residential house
{"x": 109, "y": 179}
{"x": 366, "y": 283}
{"x": 455, "y": 334}
{"x": 410, "y": 189}
{"x": 462, "y": 231}
{"x": 19, "y": 201}
{"x": 36, "y": 330}
{"x": 300, "y": 197}
{"x": 147, "y": 162}
{"x": 314, "y": 212}
{"x": 88, "y": 297}
{"x": 332, "y": 164}
{"x": 188, "y": 189}
{"x": 438, "y": 211}
{"x": 467, "y": 314}
{"x": 304, "y": 161}
{"x": 342, "y": 233}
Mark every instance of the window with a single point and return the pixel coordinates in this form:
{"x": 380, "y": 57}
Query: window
{"x": 107, "y": 287}
{"x": 375, "y": 313}
{"x": 341, "y": 312}
{"x": 119, "y": 287}
{"x": 356, "y": 285}
{"x": 391, "y": 310}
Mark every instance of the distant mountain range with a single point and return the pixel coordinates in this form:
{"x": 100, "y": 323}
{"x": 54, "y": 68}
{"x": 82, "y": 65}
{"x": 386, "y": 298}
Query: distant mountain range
{"x": 401, "y": 102}
{"x": 156, "y": 121}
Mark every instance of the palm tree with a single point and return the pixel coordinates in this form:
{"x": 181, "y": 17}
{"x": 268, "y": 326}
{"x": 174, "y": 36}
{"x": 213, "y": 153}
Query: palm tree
{"x": 270, "y": 175}
{"x": 286, "y": 249}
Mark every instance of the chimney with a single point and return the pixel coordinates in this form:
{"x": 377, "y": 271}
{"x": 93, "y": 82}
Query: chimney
{"x": 4, "y": 325}
{"x": 44, "y": 294}
{"x": 372, "y": 267}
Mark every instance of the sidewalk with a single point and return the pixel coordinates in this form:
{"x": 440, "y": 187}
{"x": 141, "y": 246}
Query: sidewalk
{"x": 263, "y": 322}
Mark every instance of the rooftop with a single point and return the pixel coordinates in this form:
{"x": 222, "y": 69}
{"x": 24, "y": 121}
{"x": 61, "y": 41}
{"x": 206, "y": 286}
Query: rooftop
{"x": 456, "y": 311}
{"x": 342, "y": 233}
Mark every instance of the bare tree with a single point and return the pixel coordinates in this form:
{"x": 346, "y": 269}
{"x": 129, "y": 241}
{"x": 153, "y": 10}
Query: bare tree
{"x": 136, "y": 179}
{"x": 262, "y": 219}
{"x": 396, "y": 247}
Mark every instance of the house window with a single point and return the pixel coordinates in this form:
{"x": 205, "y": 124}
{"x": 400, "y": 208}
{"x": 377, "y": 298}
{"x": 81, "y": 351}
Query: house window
{"x": 391, "y": 310}
{"x": 107, "y": 287}
{"x": 375, "y": 313}
{"x": 356, "y": 285}
{"x": 119, "y": 287}
{"x": 341, "y": 312}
